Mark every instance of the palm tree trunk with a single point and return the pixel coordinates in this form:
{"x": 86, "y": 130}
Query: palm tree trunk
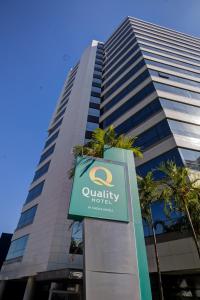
{"x": 157, "y": 258}
{"x": 193, "y": 230}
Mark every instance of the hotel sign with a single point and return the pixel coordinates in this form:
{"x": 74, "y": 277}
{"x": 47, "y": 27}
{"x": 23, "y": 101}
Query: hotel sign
{"x": 99, "y": 190}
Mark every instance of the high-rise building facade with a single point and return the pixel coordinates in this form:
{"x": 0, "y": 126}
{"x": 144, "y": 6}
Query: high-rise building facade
{"x": 145, "y": 80}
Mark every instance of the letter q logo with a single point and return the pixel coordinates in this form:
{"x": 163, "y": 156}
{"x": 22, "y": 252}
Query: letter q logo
{"x": 98, "y": 180}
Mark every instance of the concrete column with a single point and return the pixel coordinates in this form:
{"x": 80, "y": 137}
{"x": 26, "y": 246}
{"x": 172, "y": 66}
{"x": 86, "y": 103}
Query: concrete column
{"x": 115, "y": 262}
{"x": 28, "y": 294}
{"x": 53, "y": 287}
{"x": 2, "y": 288}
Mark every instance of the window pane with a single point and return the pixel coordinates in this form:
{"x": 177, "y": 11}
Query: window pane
{"x": 91, "y": 126}
{"x": 97, "y": 80}
{"x": 51, "y": 139}
{"x": 177, "y": 106}
{"x": 153, "y": 135}
{"x": 76, "y": 246}
{"x": 27, "y": 217}
{"x": 94, "y": 112}
{"x": 139, "y": 117}
{"x": 174, "y": 78}
{"x": 35, "y": 192}
{"x": 174, "y": 60}
{"x": 17, "y": 247}
{"x": 185, "y": 129}
{"x": 96, "y": 89}
{"x": 124, "y": 79}
{"x": 41, "y": 171}
{"x": 151, "y": 165}
{"x": 169, "y": 67}
{"x": 134, "y": 100}
{"x": 55, "y": 127}
{"x": 47, "y": 153}
{"x": 177, "y": 91}
{"x": 95, "y": 99}
{"x": 191, "y": 158}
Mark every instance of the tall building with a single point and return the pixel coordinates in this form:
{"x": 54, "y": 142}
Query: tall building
{"x": 145, "y": 80}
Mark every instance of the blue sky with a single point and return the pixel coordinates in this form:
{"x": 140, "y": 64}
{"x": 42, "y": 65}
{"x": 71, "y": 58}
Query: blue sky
{"x": 40, "y": 41}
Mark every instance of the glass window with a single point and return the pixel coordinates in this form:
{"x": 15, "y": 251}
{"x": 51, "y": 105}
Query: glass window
{"x": 123, "y": 69}
{"x": 27, "y": 217}
{"x": 99, "y": 56}
{"x": 153, "y": 135}
{"x": 66, "y": 94}
{"x": 125, "y": 78}
{"x": 191, "y": 158}
{"x": 174, "y": 78}
{"x": 61, "y": 106}
{"x": 94, "y": 112}
{"x": 17, "y": 247}
{"x": 170, "y": 42}
{"x": 97, "y": 73}
{"x": 129, "y": 88}
{"x": 91, "y": 126}
{"x": 76, "y": 246}
{"x": 71, "y": 79}
{"x": 182, "y": 56}
{"x": 59, "y": 115}
{"x": 96, "y": 84}
{"x": 66, "y": 98}
{"x": 100, "y": 53}
{"x": 93, "y": 119}
{"x": 98, "y": 69}
{"x": 174, "y": 60}
{"x": 98, "y": 62}
{"x": 151, "y": 165}
{"x": 96, "y": 89}
{"x": 130, "y": 47}
{"x": 181, "y": 107}
{"x": 95, "y": 94}
{"x": 117, "y": 33}
{"x": 97, "y": 80}
{"x": 162, "y": 223}
{"x": 120, "y": 37}
{"x": 167, "y": 33}
{"x": 52, "y": 129}
{"x": 100, "y": 46}
{"x": 40, "y": 172}
{"x": 167, "y": 46}
{"x": 168, "y": 67}
{"x": 51, "y": 139}
{"x": 134, "y": 100}
{"x": 177, "y": 91}
{"x": 68, "y": 87}
{"x": 95, "y": 99}
{"x": 35, "y": 192}
{"x": 115, "y": 65}
{"x": 139, "y": 117}
{"x": 185, "y": 129}
{"x": 47, "y": 153}
{"x": 94, "y": 105}
{"x": 97, "y": 76}
{"x": 111, "y": 54}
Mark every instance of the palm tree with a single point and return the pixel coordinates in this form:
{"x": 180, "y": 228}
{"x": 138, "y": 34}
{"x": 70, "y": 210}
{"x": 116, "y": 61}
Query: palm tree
{"x": 100, "y": 140}
{"x": 184, "y": 191}
{"x": 149, "y": 192}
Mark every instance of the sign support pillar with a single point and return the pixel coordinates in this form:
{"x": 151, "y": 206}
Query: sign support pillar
{"x": 115, "y": 262}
